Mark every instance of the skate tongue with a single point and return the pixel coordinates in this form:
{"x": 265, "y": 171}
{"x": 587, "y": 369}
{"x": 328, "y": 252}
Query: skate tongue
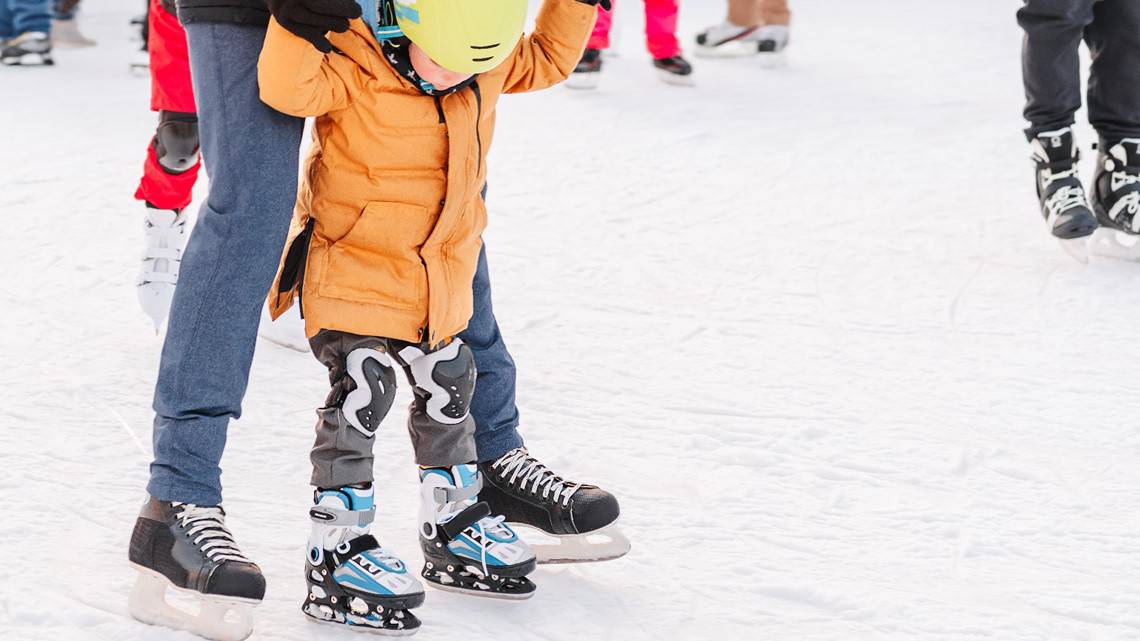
{"x": 1127, "y": 151}
{"x": 1055, "y": 145}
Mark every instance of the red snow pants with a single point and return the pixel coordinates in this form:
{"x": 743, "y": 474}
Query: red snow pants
{"x": 170, "y": 90}
{"x": 660, "y": 28}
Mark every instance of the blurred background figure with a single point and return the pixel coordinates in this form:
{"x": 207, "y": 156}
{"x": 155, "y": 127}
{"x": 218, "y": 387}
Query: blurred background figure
{"x": 752, "y": 28}
{"x": 1051, "y": 71}
{"x": 660, "y": 38}
{"x": 172, "y": 160}
{"x": 65, "y": 28}
{"x": 25, "y": 32}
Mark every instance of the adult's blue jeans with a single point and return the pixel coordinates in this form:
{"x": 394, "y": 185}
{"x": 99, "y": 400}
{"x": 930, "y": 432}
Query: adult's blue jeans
{"x": 251, "y": 154}
{"x": 22, "y": 16}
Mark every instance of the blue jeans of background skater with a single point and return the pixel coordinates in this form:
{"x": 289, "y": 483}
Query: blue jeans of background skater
{"x": 251, "y": 154}
{"x": 22, "y": 16}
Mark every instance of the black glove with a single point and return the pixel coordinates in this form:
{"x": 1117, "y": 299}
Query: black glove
{"x": 312, "y": 19}
{"x": 605, "y": 4}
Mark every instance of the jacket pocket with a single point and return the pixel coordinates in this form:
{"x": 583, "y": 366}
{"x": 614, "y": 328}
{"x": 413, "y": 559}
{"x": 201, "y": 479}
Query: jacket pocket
{"x": 378, "y": 260}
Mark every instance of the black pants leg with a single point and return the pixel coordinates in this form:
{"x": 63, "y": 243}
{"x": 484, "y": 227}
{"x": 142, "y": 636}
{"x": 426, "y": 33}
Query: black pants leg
{"x": 1114, "y": 81}
{"x": 1050, "y": 60}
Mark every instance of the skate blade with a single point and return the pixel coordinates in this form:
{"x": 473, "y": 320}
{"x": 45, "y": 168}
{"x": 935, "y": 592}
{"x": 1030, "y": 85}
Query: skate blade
{"x": 360, "y": 627}
{"x": 674, "y": 79}
{"x": 583, "y": 80}
{"x": 29, "y": 60}
{"x": 605, "y": 544}
{"x": 218, "y": 618}
{"x": 772, "y": 59}
{"x": 486, "y": 594}
{"x": 1115, "y": 244}
{"x": 1078, "y": 248}
{"x": 734, "y": 49}
{"x": 154, "y": 299}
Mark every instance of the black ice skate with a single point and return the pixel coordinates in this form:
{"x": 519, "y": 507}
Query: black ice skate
{"x": 1116, "y": 199}
{"x": 578, "y": 521}
{"x": 588, "y": 71}
{"x": 466, "y": 549}
{"x": 675, "y": 70}
{"x": 187, "y": 548}
{"x": 30, "y": 48}
{"x": 1060, "y": 192}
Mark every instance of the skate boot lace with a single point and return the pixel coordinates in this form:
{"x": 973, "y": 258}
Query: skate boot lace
{"x": 164, "y": 243}
{"x": 522, "y": 469}
{"x": 1065, "y": 199}
{"x": 207, "y": 528}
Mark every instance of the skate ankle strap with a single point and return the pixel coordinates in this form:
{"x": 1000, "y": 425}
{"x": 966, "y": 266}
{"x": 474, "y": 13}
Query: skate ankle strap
{"x": 465, "y": 519}
{"x": 350, "y": 518}
{"x": 454, "y": 494}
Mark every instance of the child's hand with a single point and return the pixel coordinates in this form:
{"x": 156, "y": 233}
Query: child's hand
{"x": 312, "y": 19}
{"x": 605, "y": 4}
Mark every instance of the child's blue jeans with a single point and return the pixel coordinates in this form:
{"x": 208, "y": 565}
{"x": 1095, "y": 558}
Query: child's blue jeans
{"x": 22, "y": 16}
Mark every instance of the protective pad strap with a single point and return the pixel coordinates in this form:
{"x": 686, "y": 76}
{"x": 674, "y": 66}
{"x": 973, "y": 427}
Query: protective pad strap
{"x": 350, "y": 518}
{"x": 455, "y": 494}
{"x": 465, "y": 519}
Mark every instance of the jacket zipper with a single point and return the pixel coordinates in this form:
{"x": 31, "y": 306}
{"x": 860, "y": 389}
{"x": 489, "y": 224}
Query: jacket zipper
{"x": 478, "y": 117}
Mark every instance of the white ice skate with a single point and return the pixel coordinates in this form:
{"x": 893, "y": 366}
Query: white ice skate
{"x": 727, "y": 40}
{"x": 287, "y": 331}
{"x": 65, "y": 34}
{"x": 158, "y": 276}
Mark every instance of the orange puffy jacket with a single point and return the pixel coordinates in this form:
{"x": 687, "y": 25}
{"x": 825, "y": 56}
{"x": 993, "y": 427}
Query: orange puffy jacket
{"x": 392, "y": 183}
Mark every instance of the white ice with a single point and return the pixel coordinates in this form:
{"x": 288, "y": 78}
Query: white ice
{"x": 806, "y": 323}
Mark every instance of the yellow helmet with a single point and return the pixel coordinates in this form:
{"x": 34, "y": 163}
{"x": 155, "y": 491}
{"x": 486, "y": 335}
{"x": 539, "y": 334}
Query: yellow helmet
{"x": 465, "y": 36}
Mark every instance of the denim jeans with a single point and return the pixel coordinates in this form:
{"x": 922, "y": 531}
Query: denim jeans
{"x": 251, "y": 154}
{"x": 22, "y": 16}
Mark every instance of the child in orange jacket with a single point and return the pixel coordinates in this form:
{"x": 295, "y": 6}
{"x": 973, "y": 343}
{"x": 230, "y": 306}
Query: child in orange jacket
{"x": 383, "y": 250}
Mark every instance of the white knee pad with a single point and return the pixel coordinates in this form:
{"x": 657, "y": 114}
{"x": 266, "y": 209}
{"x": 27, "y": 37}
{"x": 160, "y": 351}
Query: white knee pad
{"x": 368, "y": 404}
{"x": 448, "y": 376}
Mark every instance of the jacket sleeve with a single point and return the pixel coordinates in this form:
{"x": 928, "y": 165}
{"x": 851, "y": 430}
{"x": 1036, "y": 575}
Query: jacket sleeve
{"x": 297, "y": 79}
{"x": 547, "y": 56}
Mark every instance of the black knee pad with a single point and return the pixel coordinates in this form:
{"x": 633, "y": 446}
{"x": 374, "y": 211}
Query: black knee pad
{"x": 176, "y": 141}
{"x": 375, "y": 388}
{"x": 456, "y": 377}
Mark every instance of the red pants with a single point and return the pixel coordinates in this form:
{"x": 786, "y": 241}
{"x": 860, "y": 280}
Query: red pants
{"x": 660, "y": 28}
{"x": 170, "y": 90}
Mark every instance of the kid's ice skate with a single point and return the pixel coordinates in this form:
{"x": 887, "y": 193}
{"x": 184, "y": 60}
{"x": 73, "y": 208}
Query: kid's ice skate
{"x": 1062, "y": 196}
{"x": 29, "y": 48}
{"x": 1116, "y": 199}
{"x": 674, "y": 71}
{"x": 588, "y": 71}
{"x": 352, "y": 580}
{"x": 564, "y": 522}
{"x": 465, "y": 548}
{"x": 188, "y": 549}
{"x": 158, "y": 275}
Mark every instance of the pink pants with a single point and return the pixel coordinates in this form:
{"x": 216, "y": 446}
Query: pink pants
{"x": 660, "y": 28}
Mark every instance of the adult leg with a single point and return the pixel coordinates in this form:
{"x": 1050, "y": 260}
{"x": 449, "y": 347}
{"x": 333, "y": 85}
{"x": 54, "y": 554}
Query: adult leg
{"x": 746, "y": 13}
{"x": 251, "y": 153}
{"x": 30, "y": 15}
{"x": 1114, "y": 82}
{"x": 493, "y": 406}
{"x": 1050, "y": 61}
{"x": 771, "y": 11}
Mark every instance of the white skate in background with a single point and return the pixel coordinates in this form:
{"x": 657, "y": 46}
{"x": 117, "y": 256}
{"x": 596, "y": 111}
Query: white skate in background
{"x": 287, "y": 331}
{"x": 158, "y": 276}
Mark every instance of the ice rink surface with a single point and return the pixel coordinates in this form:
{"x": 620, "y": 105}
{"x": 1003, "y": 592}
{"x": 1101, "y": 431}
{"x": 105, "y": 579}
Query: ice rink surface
{"x": 805, "y": 322}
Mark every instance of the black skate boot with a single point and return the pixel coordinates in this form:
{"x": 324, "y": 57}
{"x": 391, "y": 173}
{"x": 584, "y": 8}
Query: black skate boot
{"x": 29, "y": 48}
{"x": 466, "y": 549}
{"x": 580, "y": 519}
{"x": 352, "y": 580}
{"x": 188, "y": 548}
{"x": 675, "y": 70}
{"x": 1116, "y": 199}
{"x": 1060, "y": 192}
{"x": 588, "y": 71}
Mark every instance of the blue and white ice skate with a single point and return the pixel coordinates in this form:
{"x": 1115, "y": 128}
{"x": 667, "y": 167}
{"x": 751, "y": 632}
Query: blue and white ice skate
{"x": 352, "y": 580}
{"x": 466, "y": 549}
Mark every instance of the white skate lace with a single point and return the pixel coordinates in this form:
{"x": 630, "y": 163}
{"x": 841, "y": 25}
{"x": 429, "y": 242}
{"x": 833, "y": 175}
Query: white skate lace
{"x": 522, "y": 469}
{"x": 164, "y": 243}
{"x": 1065, "y": 199}
{"x": 207, "y": 527}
